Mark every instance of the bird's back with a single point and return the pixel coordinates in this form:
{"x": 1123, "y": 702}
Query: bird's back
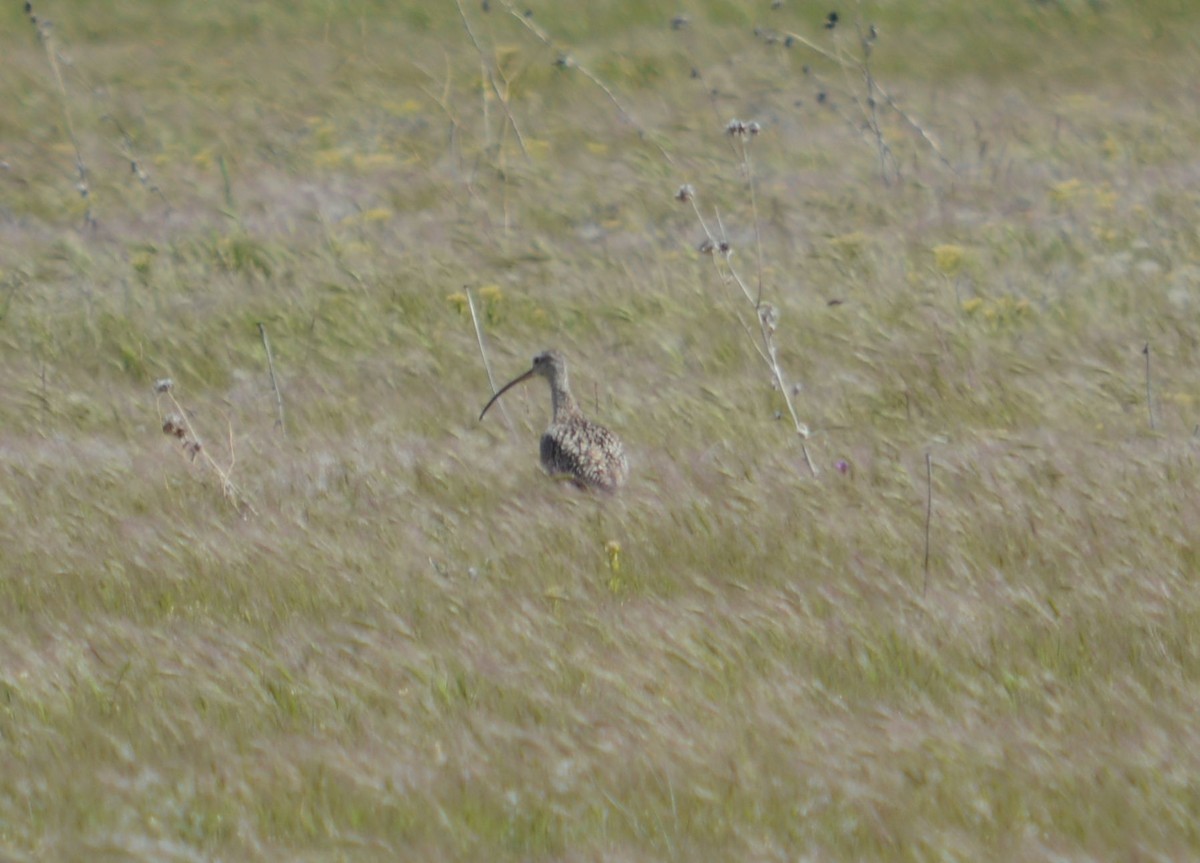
{"x": 590, "y": 453}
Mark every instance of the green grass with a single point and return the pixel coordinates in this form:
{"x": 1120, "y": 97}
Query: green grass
{"x": 411, "y": 644}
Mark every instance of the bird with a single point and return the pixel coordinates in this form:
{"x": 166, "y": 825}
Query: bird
{"x": 572, "y": 446}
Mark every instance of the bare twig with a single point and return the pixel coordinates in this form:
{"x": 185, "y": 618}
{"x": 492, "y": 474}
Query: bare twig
{"x": 262, "y": 331}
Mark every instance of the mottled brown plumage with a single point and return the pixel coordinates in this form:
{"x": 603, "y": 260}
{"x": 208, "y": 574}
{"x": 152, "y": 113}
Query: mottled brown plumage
{"x": 573, "y": 445}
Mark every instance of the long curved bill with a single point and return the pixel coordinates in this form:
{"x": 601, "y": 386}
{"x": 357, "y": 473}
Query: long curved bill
{"x": 508, "y": 386}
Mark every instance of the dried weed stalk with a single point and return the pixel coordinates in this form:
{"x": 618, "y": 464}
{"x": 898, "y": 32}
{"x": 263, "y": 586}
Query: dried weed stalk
{"x": 279, "y": 422}
{"x": 567, "y": 61}
{"x": 175, "y": 423}
{"x": 487, "y": 366}
{"x": 489, "y": 74}
{"x": 45, "y": 35}
{"x": 873, "y": 99}
{"x": 136, "y": 166}
{"x": 717, "y": 247}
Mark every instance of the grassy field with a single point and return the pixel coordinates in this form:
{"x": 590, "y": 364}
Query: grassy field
{"x": 375, "y": 630}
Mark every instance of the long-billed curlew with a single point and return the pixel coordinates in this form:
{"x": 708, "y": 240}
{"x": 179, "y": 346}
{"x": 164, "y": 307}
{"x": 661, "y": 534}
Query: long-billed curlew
{"x": 573, "y": 445}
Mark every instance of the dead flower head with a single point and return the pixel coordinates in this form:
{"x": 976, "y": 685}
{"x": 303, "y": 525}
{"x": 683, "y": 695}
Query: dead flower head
{"x": 173, "y": 425}
{"x": 769, "y": 316}
{"x": 742, "y": 128}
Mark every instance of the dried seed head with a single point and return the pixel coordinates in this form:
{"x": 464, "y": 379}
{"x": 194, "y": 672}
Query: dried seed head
{"x": 724, "y": 248}
{"x": 679, "y": 22}
{"x": 192, "y": 448}
{"x": 831, "y": 20}
{"x": 769, "y": 316}
{"x": 735, "y": 127}
{"x": 706, "y": 247}
{"x": 163, "y": 385}
{"x": 685, "y": 193}
{"x": 564, "y": 61}
{"x": 753, "y": 128}
{"x": 174, "y": 426}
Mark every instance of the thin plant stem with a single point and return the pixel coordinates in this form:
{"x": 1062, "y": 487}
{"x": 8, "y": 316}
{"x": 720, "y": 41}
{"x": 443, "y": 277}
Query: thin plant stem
{"x": 1149, "y": 391}
{"x": 928, "y": 515}
{"x": 491, "y": 79}
{"x": 566, "y": 61}
{"x": 193, "y": 446}
{"x": 47, "y": 41}
{"x": 487, "y": 366}
{"x": 764, "y": 345}
{"x": 262, "y": 331}
{"x": 840, "y": 58}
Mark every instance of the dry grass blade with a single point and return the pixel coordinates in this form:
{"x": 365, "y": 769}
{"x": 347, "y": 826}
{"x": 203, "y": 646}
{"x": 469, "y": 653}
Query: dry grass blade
{"x": 417, "y": 647}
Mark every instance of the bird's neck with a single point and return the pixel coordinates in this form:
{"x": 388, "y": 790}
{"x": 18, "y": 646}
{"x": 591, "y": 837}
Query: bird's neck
{"x": 564, "y": 404}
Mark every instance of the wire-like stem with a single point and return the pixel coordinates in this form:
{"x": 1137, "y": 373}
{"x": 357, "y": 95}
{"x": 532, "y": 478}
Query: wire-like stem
{"x": 491, "y": 78}
{"x": 45, "y": 37}
{"x": 135, "y": 164}
{"x": 179, "y": 426}
{"x": 487, "y": 366}
{"x": 928, "y": 515}
{"x": 867, "y": 42}
{"x": 566, "y": 61}
{"x": 839, "y": 57}
{"x": 1149, "y": 391}
{"x": 719, "y": 249}
{"x": 749, "y": 170}
{"x": 262, "y": 331}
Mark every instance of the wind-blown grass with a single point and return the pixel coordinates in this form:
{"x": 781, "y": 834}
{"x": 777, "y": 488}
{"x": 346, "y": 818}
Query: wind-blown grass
{"x": 416, "y": 645}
